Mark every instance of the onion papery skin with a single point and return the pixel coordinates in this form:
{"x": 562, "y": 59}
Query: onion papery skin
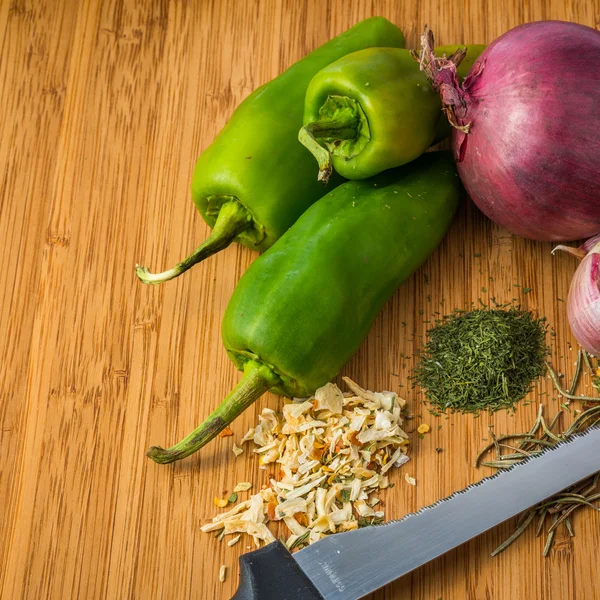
{"x": 531, "y": 157}
{"x": 583, "y": 304}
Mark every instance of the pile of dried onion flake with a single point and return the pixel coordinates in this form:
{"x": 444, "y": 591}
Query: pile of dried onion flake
{"x": 332, "y": 452}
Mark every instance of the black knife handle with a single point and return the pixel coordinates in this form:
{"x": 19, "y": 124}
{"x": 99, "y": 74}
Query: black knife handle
{"x": 270, "y": 573}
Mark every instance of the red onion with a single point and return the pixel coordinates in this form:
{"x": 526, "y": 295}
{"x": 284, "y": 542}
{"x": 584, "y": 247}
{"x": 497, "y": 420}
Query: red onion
{"x": 527, "y": 119}
{"x": 583, "y": 305}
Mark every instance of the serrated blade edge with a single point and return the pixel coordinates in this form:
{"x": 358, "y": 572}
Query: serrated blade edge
{"x": 347, "y": 566}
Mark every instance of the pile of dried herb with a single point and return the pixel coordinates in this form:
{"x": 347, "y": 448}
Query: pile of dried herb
{"x": 512, "y": 449}
{"x": 483, "y": 359}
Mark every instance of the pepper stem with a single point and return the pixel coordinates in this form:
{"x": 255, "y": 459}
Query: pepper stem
{"x": 257, "y": 379}
{"x": 345, "y": 127}
{"x": 232, "y": 220}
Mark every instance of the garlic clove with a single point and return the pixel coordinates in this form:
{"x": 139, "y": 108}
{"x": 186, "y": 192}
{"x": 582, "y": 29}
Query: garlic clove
{"x": 583, "y": 304}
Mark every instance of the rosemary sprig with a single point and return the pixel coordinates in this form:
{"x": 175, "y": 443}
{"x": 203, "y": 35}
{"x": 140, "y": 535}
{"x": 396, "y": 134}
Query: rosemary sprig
{"x": 550, "y": 538}
{"x": 563, "y": 392}
{"x": 562, "y": 505}
{"x": 495, "y": 444}
{"x": 518, "y": 532}
{"x": 577, "y": 371}
{"x": 594, "y": 373}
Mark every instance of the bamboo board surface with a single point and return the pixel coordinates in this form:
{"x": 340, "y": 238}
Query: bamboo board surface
{"x": 104, "y": 107}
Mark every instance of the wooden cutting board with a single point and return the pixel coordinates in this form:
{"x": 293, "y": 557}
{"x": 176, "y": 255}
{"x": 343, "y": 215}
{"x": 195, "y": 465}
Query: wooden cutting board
{"x": 104, "y": 107}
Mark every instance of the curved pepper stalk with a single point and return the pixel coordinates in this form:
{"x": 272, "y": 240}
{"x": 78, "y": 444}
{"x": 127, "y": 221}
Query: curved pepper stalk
{"x": 344, "y": 124}
{"x": 257, "y": 379}
{"x": 232, "y": 220}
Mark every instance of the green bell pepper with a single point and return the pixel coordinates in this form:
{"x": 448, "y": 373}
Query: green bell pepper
{"x": 370, "y": 111}
{"x": 303, "y": 308}
{"x": 255, "y": 180}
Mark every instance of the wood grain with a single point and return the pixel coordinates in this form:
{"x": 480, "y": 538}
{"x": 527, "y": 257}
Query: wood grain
{"x": 104, "y": 107}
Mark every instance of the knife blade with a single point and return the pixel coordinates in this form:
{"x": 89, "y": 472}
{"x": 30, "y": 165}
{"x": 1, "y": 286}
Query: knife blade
{"x": 347, "y": 566}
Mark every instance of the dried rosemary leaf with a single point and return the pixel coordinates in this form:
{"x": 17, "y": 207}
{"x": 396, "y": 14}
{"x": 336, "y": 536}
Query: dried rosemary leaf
{"x": 300, "y": 541}
{"x": 368, "y": 521}
{"x": 561, "y": 505}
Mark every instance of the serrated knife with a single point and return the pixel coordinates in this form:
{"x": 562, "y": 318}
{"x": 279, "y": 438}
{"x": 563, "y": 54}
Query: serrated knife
{"x": 347, "y": 566}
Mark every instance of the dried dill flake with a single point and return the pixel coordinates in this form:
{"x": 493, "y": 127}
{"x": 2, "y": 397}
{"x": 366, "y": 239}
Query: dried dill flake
{"x": 484, "y": 359}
